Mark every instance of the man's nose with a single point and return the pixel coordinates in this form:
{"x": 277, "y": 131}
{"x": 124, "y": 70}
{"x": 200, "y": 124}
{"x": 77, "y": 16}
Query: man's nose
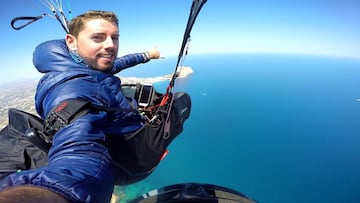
{"x": 109, "y": 43}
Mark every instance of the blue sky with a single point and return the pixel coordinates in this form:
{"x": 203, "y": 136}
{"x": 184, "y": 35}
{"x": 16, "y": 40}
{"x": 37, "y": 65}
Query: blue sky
{"x": 322, "y": 27}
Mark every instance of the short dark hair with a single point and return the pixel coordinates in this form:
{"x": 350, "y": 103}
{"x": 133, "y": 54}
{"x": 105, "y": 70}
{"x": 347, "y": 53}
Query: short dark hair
{"x": 77, "y": 23}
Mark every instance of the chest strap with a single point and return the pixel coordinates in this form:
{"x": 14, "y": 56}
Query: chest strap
{"x": 63, "y": 114}
{"x": 69, "y": 110}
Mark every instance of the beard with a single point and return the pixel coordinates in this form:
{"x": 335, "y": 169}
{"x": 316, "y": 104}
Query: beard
{"x": 97, "y": 63}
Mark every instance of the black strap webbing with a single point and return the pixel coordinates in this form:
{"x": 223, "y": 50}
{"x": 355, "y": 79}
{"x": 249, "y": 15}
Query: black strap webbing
{"x": 64, "y": 113}
{"x": 28, "y": 20}
{"x": 68, "y": 110}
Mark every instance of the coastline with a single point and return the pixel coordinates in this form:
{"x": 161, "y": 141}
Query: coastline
{"x": 184, "y": 71}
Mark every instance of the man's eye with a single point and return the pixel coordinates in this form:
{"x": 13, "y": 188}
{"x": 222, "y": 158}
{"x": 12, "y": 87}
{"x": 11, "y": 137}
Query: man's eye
{"x": 97, "y": 38}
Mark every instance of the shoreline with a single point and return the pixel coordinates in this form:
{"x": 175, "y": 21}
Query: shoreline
{"x": 183, "y": 72}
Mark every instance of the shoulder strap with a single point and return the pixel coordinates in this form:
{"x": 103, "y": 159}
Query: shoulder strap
{"x": 64, "y": 113}
{"x": 69, "y": 110}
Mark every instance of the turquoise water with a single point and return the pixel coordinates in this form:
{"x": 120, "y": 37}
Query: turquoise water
{"x": 278, "y": 128}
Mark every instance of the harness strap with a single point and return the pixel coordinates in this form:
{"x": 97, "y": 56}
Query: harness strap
{"x": 64, "y": 113}
{"x": 68, "y": 110}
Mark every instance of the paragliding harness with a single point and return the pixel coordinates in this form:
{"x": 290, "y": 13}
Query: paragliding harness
{"x": 164, "y": 115}
{"x": 136, "y": 154}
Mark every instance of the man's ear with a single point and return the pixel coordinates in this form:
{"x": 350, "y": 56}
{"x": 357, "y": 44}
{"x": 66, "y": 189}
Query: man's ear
{"x": 71, "y": 42}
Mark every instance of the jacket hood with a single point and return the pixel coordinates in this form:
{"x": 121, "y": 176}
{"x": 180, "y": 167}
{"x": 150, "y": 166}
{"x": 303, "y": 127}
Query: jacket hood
{"x": 54, "y": 55}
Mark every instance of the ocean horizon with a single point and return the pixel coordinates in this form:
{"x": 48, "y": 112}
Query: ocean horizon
{"x": 278, "y": 128}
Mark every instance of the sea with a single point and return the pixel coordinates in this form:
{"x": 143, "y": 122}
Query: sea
{"x": 278, "y": 128}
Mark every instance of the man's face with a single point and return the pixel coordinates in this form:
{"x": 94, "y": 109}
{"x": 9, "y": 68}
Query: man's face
{"x": 97, "y": 44}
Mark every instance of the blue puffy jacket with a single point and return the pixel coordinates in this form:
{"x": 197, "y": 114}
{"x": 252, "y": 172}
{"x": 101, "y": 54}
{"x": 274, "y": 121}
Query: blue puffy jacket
{"x": 80, "y": 166}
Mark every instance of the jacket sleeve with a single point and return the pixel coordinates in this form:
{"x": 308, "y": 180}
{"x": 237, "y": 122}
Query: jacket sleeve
{"x": 128, "y": 61}
{"x": 79, "y": 164}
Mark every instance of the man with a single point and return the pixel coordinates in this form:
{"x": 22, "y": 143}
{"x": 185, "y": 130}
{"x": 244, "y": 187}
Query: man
{"x": 80, "y": 165}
